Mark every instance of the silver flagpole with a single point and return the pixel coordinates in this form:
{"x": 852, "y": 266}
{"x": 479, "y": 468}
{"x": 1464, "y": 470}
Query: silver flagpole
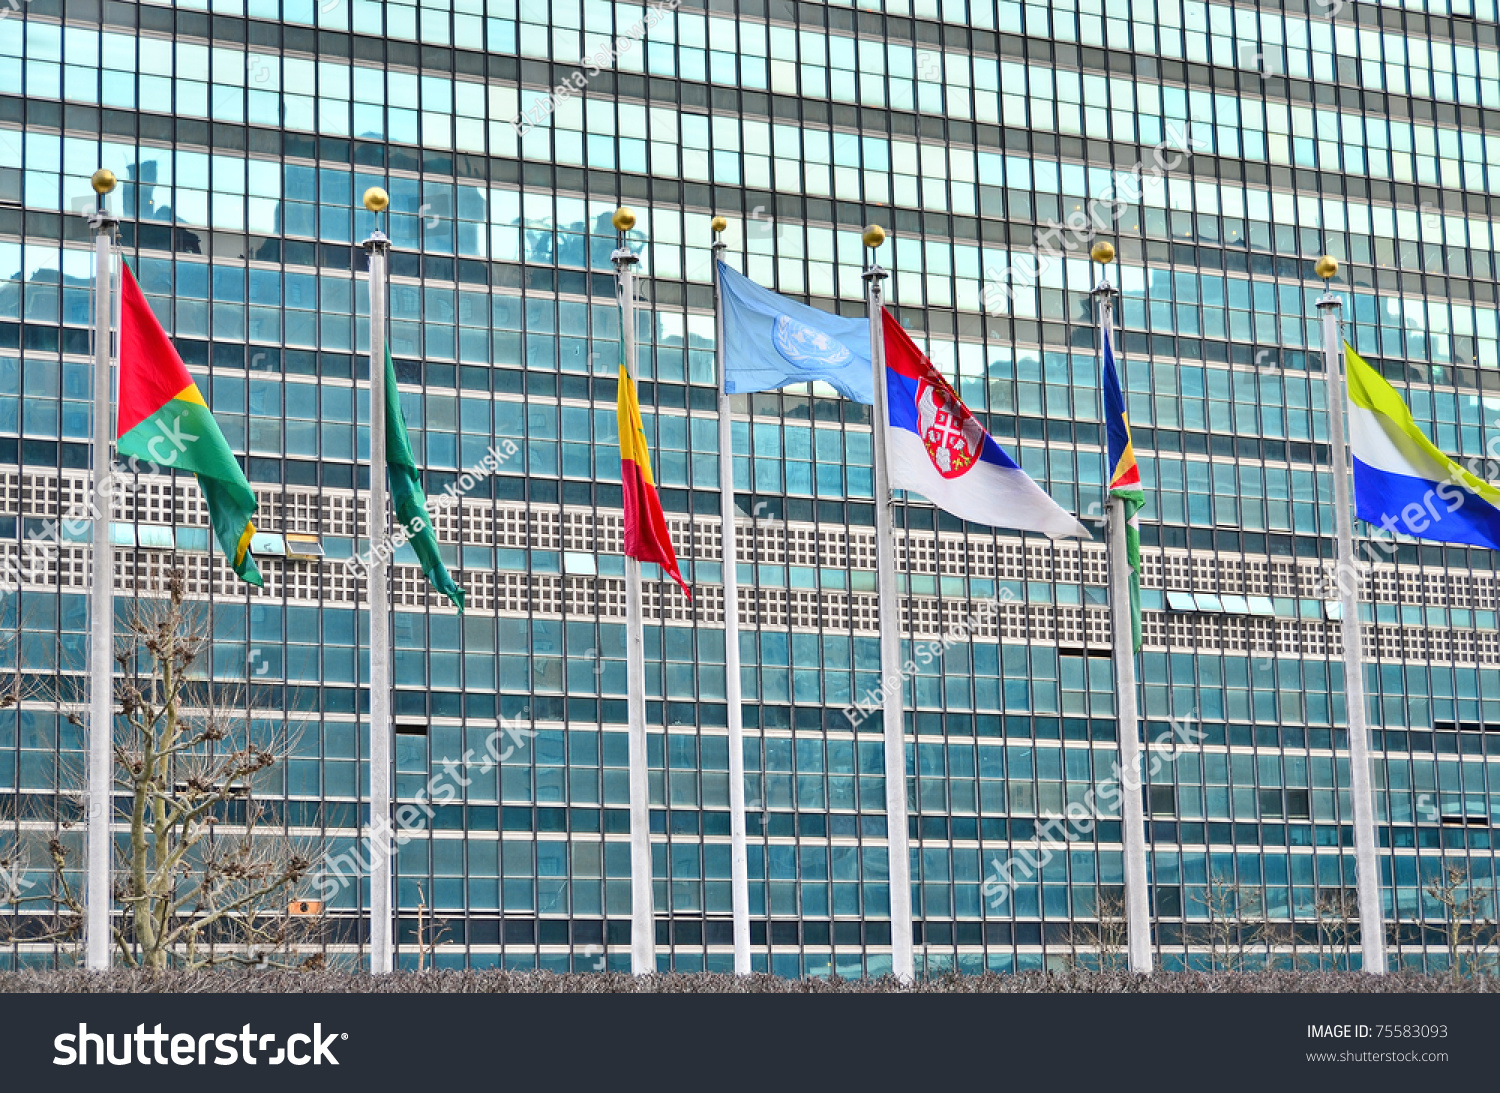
{"x": 1366, "y": 864}
{"x": 382, "y": 956}
{"x": 99, "y": 843}
{"x": 739, "y": 857}
{"x": 1132, "y": 813}
{"x": 892, "y": 683}
{"x": 642, "y": 896}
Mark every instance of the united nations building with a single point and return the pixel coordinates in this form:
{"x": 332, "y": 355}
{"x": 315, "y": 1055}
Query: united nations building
{"x": 535, "y": 155}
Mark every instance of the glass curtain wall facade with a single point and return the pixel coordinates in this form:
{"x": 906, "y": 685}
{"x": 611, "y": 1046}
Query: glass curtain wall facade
{"x": 1236, "y": 142}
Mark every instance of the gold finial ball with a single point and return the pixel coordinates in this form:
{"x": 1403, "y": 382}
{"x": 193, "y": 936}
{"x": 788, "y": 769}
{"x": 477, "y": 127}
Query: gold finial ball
{"x": 103, "y": 181}
{"x": 1326, "y": 267}
{"x": 1103, "y": 252}
{"x": 874, "y": 236}
{"x": 377, "y": 200}
{"x": 623, "y": 219}
{"x": 718, "y": 224}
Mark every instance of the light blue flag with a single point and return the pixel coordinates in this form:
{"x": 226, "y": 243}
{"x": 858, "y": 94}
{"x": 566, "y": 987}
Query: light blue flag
{"x": 770, "y": 342}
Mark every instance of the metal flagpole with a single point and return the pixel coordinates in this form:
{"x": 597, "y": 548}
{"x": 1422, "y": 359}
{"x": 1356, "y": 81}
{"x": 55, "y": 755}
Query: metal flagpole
{"x": 1367, "y": 866}
{"x": 642, "y": 897}
{"x": 382, "y": 957}
{"x": 1132, "y": 813}
{"x": 892, "y": 683}
{"x": 99, "y": 846}
{"x": 739, "y": 858}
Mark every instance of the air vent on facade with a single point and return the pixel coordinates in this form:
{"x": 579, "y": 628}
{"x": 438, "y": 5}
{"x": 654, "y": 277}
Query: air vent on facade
{"x": 181, "y": 787}
{"x": 1343, "y": 901}
{"x": 304, "y": 548}
{"x": 1466, "y": 812}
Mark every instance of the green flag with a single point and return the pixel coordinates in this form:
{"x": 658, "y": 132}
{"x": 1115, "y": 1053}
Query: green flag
{"x": 407, "y": 498}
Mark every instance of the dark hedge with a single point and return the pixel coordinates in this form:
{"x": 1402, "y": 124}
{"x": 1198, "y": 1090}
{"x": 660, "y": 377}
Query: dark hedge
{"x": 243, "y": 981}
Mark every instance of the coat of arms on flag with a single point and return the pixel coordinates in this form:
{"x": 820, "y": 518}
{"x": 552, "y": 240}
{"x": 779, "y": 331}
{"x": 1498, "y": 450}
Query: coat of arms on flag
{"x": 951, "y": 435}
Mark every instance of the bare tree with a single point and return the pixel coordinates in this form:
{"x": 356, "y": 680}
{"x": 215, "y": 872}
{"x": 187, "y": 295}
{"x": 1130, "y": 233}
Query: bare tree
{"x": 1467, "y": 931}
{"x": 1230, "y": 907}
{"x": 1108, "y": 935}
{"x": 199, "y": 879}
{"x": 1277, "y": 937}
{"x": 1241, "y": 919}
{"x": 428, "y": 935}
{"x": 1337, "y": 914}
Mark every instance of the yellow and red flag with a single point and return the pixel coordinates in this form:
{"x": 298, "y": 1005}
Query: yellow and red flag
{"x": 646, "y": 535}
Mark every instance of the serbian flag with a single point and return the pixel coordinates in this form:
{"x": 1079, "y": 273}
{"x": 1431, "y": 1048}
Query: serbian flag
{"x": 936, "y": 447}
{"x": 162, "y": 418}
{"x": 1124, "y": 476}
{"x": 646, "y": 535}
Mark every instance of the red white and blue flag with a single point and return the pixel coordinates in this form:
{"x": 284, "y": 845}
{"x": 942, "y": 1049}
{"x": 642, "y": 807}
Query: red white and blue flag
{"x": 937, "y": 448}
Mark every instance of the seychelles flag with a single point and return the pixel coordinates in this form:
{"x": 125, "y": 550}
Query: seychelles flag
{"x": 646, "y": 535}
{"x": 1124, "y": 477}
{"x": 1402, "y": 481}
{"x": 936, "y": 447}
{"x": 162, "y": 418}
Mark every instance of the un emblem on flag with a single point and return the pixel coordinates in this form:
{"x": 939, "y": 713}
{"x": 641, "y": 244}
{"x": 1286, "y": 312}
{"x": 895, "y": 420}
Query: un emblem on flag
{"x": 951, "y": 435}
{"x": 805, "y": 348}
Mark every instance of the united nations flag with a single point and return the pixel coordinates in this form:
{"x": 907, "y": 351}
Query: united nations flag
{"x": 770, "y": 342}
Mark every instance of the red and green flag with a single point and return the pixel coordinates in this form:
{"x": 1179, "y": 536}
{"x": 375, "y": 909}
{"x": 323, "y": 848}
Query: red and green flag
{"x": 162, "y": 418}
{"x": 646, "y": 535}
{"x": 407, "y": 498}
